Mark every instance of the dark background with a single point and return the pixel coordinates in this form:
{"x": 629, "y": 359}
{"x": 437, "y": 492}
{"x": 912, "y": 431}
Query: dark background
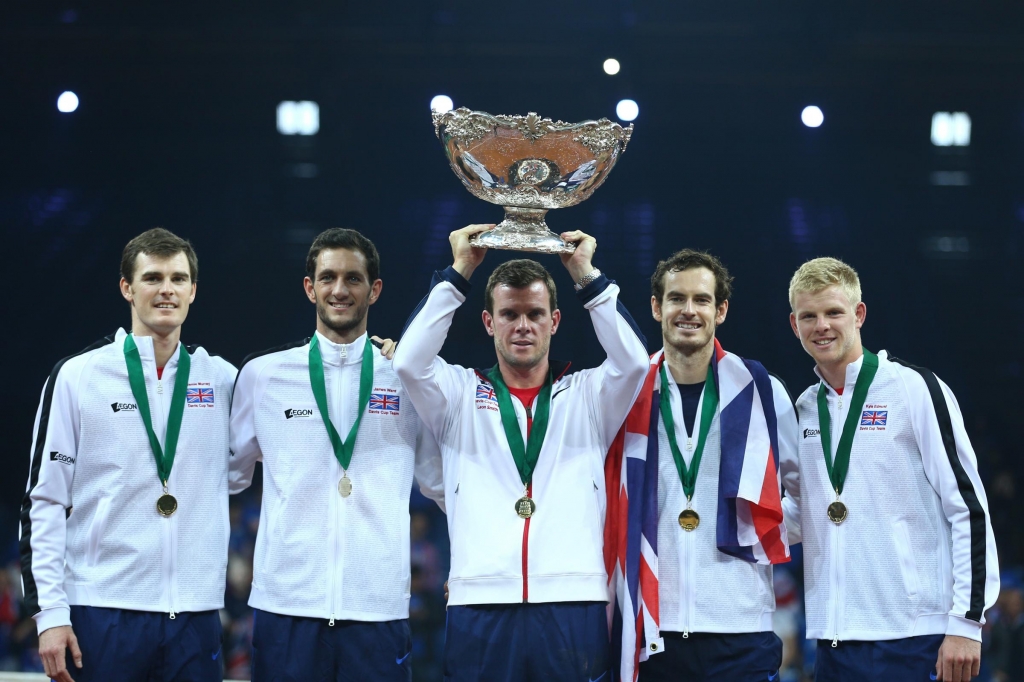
{"x": 176, "y": 128}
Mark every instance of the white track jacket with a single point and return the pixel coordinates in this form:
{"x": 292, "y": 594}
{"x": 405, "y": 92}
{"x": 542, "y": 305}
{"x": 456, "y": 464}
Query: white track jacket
{"x": 556, "y": 555}
{"x": 318, "y": 554}
{"x": 90, "y": 531}
{"x": 916, "y": 555}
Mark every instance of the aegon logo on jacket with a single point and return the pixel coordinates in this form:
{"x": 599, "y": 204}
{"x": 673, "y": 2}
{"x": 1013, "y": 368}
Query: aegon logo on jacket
{"x": 57, "y": 457}
{"x": 809, "y": 433}
{"x": 119, "y": 407}
{"x": 298, "y": 412}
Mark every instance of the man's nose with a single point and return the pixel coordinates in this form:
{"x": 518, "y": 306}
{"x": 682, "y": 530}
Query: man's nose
{"x": 821, "y": 324}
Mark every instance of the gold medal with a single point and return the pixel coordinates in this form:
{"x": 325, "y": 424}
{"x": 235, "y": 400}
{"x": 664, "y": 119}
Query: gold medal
{"x": 166, "y": 504}
{"x": 689, "y": 519}
{"x": 837, "y": 512}
{"x": 525, "y": 507}
{"x": 345, "y": 486}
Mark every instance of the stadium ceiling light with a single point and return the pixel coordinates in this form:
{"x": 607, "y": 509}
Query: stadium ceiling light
{"x": 627, "y": 110}
{"x": 67, "y": 102}
{"x": 442, "y": 104}
{"x": 812, "y": 116}
{"x": 298, "y": 118}
{"x": 611, "y": 66}
{"x": 951, "y": 129}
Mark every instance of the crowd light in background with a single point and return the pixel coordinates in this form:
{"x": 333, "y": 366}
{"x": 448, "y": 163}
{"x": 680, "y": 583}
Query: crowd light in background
{"x": 67, "y": 102}
{"x": 611, "y": 66}
{"x": 442, "y": 104}
{"x": 951, "y": 129}
{"x": 298, "y": 118}
{"x": 812, "y": 116}
{"x": 627, "y": 110}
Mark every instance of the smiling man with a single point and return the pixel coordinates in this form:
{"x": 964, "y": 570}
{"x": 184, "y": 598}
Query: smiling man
{"x": 709, "y": 428}
{"x": 124, "y": 526}
{"x": 340, "y": 444}
{"x": 899, "y": 558}
{"x": 523, "y": 446}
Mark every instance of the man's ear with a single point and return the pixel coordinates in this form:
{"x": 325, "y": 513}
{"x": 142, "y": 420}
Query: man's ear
{"x": 556, "y": 319}
{"x": 307, "y": 284}
{"x": 488, "y": 323}
{"x": 656, "y": 308}
{"x": 375, "y": 289}
{"x": 126, "y": 291}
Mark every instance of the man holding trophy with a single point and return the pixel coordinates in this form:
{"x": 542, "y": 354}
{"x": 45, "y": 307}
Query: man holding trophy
{"x": 523, "y": 448}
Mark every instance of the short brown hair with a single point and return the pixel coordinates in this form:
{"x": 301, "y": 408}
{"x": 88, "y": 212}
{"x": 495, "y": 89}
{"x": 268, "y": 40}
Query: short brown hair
{"x": 519, "y": 274}
{"x": 821, "y": 273}
{"x": 343, "y": 238}
{"x": 162, "y": 244}
{"x": 687, "y": 259}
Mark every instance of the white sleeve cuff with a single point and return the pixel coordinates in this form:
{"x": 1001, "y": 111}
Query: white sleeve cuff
{"x": 962, "y": 627}
{"x": 52, "y": 618}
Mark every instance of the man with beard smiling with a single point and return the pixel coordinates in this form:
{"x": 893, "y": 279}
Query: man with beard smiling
{"x": 340, "y": 444}
{"x": 523, "y": 445}
{"x": 900, "y": 561}
{"x": 130, "y": 553}
{"x": 709, "y": 426}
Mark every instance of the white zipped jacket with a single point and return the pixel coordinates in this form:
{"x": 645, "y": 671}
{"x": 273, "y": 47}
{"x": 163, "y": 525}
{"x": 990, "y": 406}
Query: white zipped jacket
{"x": 320, "y": 555}
{"x": 498, "y": 557}
{"x": 916, "y": 554}
{"x": 90, "y": 531}
{"x": 700, "y": 588}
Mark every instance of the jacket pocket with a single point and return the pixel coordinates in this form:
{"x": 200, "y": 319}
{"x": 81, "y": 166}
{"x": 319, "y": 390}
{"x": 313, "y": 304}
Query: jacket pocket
{"x": 908, "y": 566}
{"x": 97, "y": 529}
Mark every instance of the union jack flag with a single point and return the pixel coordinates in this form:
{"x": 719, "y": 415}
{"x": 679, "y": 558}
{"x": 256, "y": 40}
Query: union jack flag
{"x": 485, "y": 392}
{"x": 874, "y": 417}
{"x": 750, "y": 524}
{"x": 196, "y": 395}
{"x": 384, "y": 401}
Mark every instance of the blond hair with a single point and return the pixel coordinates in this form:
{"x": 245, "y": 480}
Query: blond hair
{"x": 821, "y": 273}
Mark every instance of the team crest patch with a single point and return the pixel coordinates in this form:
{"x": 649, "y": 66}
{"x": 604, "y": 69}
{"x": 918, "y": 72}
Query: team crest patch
{"x": 385, "y": 401}
{"x": 199, "y": 394}
{"x": 874, "y": 419}
{"x": 485, "y": 397}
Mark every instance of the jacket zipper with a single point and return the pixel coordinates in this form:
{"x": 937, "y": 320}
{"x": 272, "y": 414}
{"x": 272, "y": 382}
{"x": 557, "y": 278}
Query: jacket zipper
{"x": 687, "y": 585}
{"x": 835, "y": 549}
{"x": 338, "y": 502}
{"x": 526, "y": 526}
{"x": 170, "y": 561}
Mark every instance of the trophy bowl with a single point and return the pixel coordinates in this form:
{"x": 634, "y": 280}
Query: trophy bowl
{"x": 528, "y": 165}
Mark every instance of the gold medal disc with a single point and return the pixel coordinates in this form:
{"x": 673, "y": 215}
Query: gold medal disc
{"x": 525, "y": 507}
{"x": 166, "y": 505}
{"x": 837, "y": 512}
{"x": 345, "y": 487}
{"x": 689, "y": 519}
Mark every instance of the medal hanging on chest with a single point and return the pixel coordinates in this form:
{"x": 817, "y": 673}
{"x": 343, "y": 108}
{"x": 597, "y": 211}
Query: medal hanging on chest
{"x": 837, "y": 470}
{"x": 342, "y": 448}
{"x": 524, "y": 454}
{"x": 689, "y": 519}
{"x": 166, "y": 504}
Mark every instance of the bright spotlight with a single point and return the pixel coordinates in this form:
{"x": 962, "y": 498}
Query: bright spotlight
{"x": 611, "y": 66}
{"x": 812, "y": 117}
{"x": 627, "y": 110}
{"x": 951, "y": 129}
{"x": 442, "y": 104}
{"x": 67, "y": 102}
{"x": 298, "y": 118}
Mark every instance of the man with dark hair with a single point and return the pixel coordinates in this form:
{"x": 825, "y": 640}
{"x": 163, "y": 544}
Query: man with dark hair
{"x": 708, "y": 428}
{"x": 138, "y": 568}
{"x": 523, "y": 446}
{"x": 340, "y": 445}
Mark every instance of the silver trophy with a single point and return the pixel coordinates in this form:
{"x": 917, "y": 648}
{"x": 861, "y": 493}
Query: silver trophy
{"x": 529, "y": 165}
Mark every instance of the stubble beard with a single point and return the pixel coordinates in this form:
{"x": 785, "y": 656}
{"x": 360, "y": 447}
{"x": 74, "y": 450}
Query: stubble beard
{"x": 341, "y": 328}
{"x": 520, "y": 363}
{"x": 685, "y": 347}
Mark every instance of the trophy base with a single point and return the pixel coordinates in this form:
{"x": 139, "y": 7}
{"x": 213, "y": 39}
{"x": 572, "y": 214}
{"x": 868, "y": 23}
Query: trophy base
{"x": 523, "y": 229}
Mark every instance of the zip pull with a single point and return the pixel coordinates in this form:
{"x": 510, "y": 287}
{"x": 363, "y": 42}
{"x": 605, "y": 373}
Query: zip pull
{"x": 344, "y": 351}
{"x": 840, "y": 403}
{"x": 835, "y": 642}
{"x": 160, "y": 386}
{"x": 172, "y": 615}
{"x": 686, "y": 635}
{"x": 330, "y": 623}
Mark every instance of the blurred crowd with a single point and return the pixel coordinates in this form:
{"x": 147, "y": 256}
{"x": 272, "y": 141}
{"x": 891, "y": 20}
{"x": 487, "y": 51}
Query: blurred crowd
{"x": 1002, "y": 654}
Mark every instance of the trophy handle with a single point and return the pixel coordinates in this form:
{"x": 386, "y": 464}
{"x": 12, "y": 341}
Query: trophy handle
{"x": 523, "y": 229}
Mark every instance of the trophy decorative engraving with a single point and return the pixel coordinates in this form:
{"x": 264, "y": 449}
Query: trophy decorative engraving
{"x": 529, "y": 165}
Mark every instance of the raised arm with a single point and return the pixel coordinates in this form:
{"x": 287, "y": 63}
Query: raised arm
{"x": 423, "y": 374}
{"x": 617, "y": 382}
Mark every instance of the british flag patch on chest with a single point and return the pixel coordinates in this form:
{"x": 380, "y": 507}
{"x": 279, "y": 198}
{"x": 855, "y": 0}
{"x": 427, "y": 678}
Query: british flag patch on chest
{"x": 199, "y": 394}
{"x": 874, "y": 417}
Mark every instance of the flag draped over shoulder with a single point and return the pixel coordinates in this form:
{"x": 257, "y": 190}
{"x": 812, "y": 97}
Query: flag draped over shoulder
{"x": 750, "y": 524}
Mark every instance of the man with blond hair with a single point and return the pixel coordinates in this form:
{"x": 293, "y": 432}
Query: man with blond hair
{"x": 900, "y": 561}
